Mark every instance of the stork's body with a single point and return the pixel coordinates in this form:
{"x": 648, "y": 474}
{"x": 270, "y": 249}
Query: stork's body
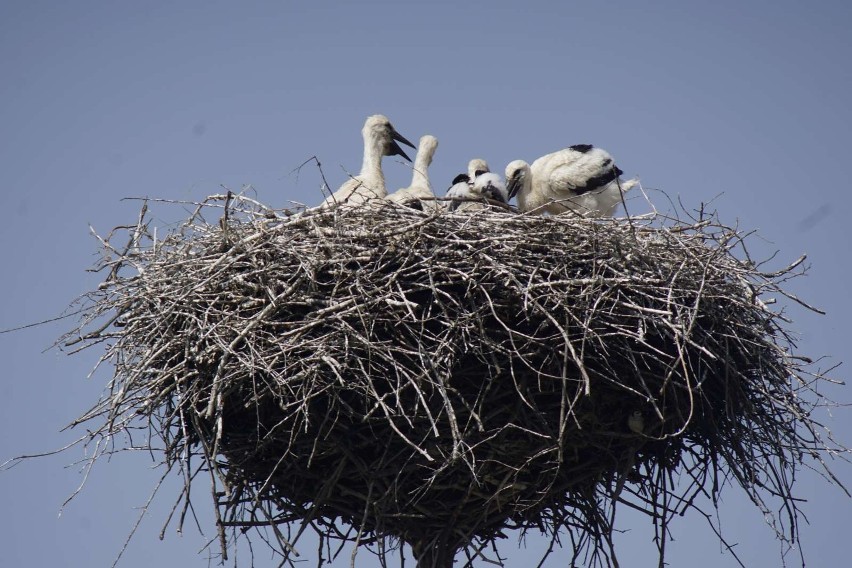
{"x": 581, "y": 179}
{"x": 380, "y": 139}
{"x": 464, "y": 191}
{"x": 420, "y": 188}
{"x": 490, "y": 185}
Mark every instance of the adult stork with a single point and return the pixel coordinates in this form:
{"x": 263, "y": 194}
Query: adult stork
{"x": 380, "y": 139}
{"x": 420, "y": 188}
{"x": 581, "y": 178}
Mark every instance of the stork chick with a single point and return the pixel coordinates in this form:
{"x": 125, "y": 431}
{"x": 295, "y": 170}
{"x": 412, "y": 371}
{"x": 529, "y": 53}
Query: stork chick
{"x": 464, "y": 191}
{"x": 420, "y": 188}
{"x": 490, "y": 185}
{"x": 380, "y": 139}
{"x": 476, "y": 167}
{"x": 581, "y": 179}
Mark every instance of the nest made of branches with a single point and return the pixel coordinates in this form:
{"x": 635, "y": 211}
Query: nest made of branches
{"x": 387, "y": 375}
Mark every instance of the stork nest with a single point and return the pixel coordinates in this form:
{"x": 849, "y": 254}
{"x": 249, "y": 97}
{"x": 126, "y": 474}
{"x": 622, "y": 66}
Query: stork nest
{"x": 385, "y": 375}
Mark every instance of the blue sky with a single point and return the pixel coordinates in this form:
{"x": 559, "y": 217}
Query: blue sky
{"x": 744, "y": 106}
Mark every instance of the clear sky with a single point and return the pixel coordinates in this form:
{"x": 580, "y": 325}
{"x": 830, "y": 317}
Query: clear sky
{"x": 745, "y": 104}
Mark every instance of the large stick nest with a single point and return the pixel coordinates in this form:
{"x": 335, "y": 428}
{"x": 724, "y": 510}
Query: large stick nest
{"x": 436, "y": 379}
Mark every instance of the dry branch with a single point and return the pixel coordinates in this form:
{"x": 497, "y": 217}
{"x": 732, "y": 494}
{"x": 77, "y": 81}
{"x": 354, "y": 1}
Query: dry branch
{"x": 439, "y": 379}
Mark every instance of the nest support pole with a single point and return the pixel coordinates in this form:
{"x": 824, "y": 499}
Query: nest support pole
{"x": 434, "y": 552}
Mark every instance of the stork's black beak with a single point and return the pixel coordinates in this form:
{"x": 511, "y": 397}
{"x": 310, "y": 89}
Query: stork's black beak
{"x": 395, "y": 150}
{"x": 513, "y": 185}
{"x": 400, "y": 138}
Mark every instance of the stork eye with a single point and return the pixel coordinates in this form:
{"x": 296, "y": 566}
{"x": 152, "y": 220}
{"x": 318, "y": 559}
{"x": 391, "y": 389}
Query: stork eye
{"x": 478, "y": 173}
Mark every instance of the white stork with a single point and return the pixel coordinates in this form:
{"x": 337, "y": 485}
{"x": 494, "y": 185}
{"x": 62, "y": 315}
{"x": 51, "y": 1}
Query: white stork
{"x": 486, "y": 185}
{"x": 490, "y": 185}
{"x": 380, "y": 139}
{"x": 476, "y": 167}
{"x": 582, "y": 179}
{"x": 420, "y": 187}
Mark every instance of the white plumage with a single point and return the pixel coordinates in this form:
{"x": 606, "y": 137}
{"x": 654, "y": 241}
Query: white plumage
{"x": 491, "y": 186}
{"x": 477, "y": 166}
{"x": 581, "y": 178}
{"x": 459, "y": 189}
{"x": 486, "y": 185}
{"x": 519, "y": 183}
{"x": 420, "y": 187}
{"x": 380, "y": 139}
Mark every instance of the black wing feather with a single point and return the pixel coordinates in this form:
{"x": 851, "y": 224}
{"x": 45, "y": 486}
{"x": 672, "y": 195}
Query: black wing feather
{"x": 582, "y": 148}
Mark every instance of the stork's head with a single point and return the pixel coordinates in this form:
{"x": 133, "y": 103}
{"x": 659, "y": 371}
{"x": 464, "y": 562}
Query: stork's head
{"x": 426, "y": 148}
{"x": 378, "y": 129}
{"x": 518, "y": 176}
{"x": 476, "y": 167}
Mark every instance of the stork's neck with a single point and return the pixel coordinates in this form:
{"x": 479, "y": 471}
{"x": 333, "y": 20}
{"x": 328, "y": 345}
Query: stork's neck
{"x": 420, "y": 176}
{"x": 371, "y": 167}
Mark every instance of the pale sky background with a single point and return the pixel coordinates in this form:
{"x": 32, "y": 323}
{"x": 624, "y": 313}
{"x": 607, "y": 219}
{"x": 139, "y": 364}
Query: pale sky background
{"x": 104, "y": 100}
